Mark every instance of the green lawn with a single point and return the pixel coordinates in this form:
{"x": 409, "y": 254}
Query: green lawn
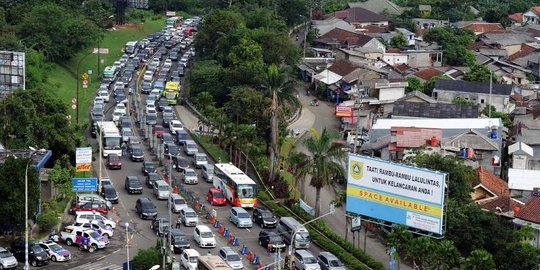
{"x": 215, "y": 151}
{"x": 63, "y": 77}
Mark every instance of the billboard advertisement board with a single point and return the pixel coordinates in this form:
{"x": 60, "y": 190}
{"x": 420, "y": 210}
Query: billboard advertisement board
{"x": 83, "y": 159}
{"x": 396, "y": 193}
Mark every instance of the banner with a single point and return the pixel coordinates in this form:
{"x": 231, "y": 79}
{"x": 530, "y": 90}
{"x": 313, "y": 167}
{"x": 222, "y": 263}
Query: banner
{"x": 83, "y": 159}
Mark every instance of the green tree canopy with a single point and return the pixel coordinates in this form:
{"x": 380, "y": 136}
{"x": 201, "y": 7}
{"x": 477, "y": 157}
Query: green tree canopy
{"x": 293, "y": 10}
{"x": 216, "y": 25}
{"x": 478, "y": 73}
{"x": 414, "y": 84}
{"x": 399, "y": 41}
{"x": 209, "y": 76}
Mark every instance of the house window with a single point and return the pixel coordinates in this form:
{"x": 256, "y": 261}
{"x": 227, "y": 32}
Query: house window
{"x": 482, "y": 101}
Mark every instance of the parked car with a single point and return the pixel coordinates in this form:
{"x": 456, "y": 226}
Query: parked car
{"x": 204, "y": 237}
{"x": 37, "y": 256}
{"x": 151, "y": 178}
{"x": 216, "y": 197}
{"x": 240, "y": 217}
{"x": 188, "y": 217}
{"x": 82, "y": 198}
{"x": 73, "y": 235}
{"x": 145, "y": 208}
{"x": 89, "y": 216}
{"x": 114, "y": 162}
{"x": 55, "y": 251}
{"x": 304, "y": 260}
{"x": 231, "y": 257}
{"x": 7, "y": 260}
{"x": 190, "y": 177}
{"x": 176, "y": 203}
{"x": 96, "y": 225}
{"x": 90, "y": 206}
{"x": 160, "y": 226}
{"x": 179, "y": 241}
{"x": 264, "y": 218}
{"x": 189, "y": 259}
{"x": 271, "y": 240}
{"x": 148, "y": 167}
{"x": 329, "y": 261}
{"x": 133, "y": 185}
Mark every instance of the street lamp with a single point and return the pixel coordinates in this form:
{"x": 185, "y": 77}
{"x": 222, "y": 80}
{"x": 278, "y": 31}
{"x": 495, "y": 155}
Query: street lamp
{"x": 32, "y": 153}
{"x": 127, "y": 245}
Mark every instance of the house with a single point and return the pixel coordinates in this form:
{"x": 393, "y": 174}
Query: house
{"x": 483, "y": 27}
{"x": 511, "y": 42}
{"x": 360, "y": 55}
{"x": 522, "y": 155}
{"x": 327, "y": 25}
{"x": 523, "y": 182}
{"x": 492, "y": 194}
{"x": 509, "y": 73}
{"x": 528, "y": 215}
{"x": 414, "y": 58}
{"x": 531, "y": 137}
{"x": 360, "y": 17}
{"x": 337, "y": 38}
{"x": 478, "y": 92}
{"x": 433, "y": 110}
{"x": 427, "y": 73}
{"x": 409, "y": 36}
{"x": 379, "y": 6}
{"x": 516, "y": 18}
{"x": 531, "y": 16}
{"x": 423, "y": 23}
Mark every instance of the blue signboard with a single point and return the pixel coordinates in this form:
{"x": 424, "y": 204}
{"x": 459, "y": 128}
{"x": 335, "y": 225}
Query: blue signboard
{"x": 84, "y": 184}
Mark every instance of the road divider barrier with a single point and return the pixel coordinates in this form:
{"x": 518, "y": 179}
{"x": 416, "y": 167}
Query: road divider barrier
{"x": 221, "y": 229}
{"x": 236, "y": 242}
{"x": 244, "y": 250}
{"x": 231, "y": 238}
{"x": 256, "y": 260}
{"x": 226, "y": 232}
{"x": 216, "y": 224}
{"x": 250, "y": 256}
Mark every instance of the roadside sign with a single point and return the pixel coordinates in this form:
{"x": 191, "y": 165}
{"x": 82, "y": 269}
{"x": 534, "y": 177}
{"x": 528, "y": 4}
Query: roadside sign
{"x": 101, "y": 50}
{"x": 83, "y": 159}
{"x": 90, "y": 72}
{"x": 85, "y": 86}
{"x": 101, "y": 61}
{"x": 170, "y": 13}
{"x": 85, "y": 76}
{"x": 85, "y": 81}
{"x": 74, "y": 106}
{"x": 356, "y": 224}
{"x": 84, "y": 184}
{"x": 73, "y": 100}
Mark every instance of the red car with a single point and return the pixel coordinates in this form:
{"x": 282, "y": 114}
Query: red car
{"x": 90, "y": 206}
{"x": 216, "y": 197}
{"x": 114, "y": 162}
{"x": 158, "y": 130}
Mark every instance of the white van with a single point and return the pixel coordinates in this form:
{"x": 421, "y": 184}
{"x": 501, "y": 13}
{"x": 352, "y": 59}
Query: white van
{"x": 288, "y": 226}
{"x": 207, "y": 172}
{"x": 199, "y": 160}
{"x": 110, "y": 72}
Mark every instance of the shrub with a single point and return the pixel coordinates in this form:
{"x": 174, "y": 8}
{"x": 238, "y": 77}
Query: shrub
{"x": 146, "y": 258}
{"x": 47, "y": 221}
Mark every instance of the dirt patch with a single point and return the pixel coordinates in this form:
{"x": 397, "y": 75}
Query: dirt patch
{"x": 127, "y": 26}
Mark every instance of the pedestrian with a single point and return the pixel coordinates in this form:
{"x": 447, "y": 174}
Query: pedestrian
{"x": 296, "y": 37}
{"x": 209, "y": 253}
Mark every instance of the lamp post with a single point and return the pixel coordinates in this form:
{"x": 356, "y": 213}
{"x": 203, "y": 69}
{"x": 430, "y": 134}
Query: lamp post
{"x": 170, "y": 202}
{"x": 127, "y": 245}
{"x": 32, "y": 153}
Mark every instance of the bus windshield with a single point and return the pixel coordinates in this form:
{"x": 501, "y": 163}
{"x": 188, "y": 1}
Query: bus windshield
{"x": 302, "y": 237}
{"x": 246, "y": 191}
{"x": 111, "y": 143}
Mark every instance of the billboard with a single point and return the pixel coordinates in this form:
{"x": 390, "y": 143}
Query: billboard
{"x": 12, "y": 72}
{"x": 138, "y": 4}
{"x": 83, "y": 159}
{"x": 396, "y": 193}
{"x": 344, "y": 111}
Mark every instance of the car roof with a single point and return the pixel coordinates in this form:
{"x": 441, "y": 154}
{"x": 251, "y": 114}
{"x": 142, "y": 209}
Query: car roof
{"x": 304, "y": 253}
{"x": 190, "y": 169}
{"x": 203, "y": 228}
{"x": 239, "y": 209}
{"x": 144, "y": 199}
{"x": 188, "y": 209}
{"x": 191, "y": 252}
{"x": 228, "y": 250}
{"x": 328, "y": 255}
{"x": 132, "y": 177}
{"x": 176, "y": 196}
{"x": 161, "y": 182}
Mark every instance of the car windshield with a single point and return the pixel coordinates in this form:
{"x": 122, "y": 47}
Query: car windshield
{"x": 149, "y": 166}
{"x": 37, "y": 249}
{"x": 309, "y": 260}
{"x": 302, "y": 237}
{"x": 55, "y": 247}
{"x": 128, "y": 132}
{"x": 137, "y": 151}
{"x": 233, "y": 258}
{"x": 267, "y": 215}
{"x": 191, "y": 214}
{"x": 151, "y": 117}
{"x": 193, "y": 259}
{"x": 164, "y": 223}
{"x": 5, "y": 254}
{"x": 179, "y": 201}
{"x": 275, "y": 239}
{"x": 182, "y": 162}
{"x": 201, "y": 158}
{"x": 218, "y": 194}
{"x": 243, "y": 215}
{"x": 163, "y": 188}
{"x": 246, "y": 191}
{"x": 335, "y": 263}
{"x": 180, "y": 238}
{"x": 207, "y": 235}
{"x": 94, "y": 235}
{"x": 191, "y": 173}
{"x": 148, "y": 206}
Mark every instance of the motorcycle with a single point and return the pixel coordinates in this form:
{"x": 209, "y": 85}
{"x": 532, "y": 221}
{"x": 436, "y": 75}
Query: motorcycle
{"x": 314, "y": 102}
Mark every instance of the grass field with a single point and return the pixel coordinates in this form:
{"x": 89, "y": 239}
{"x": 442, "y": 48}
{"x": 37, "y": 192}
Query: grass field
{"x": 215, "y": 151}
{"x": 63, "y": 77}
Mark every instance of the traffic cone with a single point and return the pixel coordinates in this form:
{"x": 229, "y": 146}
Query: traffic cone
{"x": 176, "y": 189}
{"x": 117, "y": 222}
{"x": 250, "y": 256}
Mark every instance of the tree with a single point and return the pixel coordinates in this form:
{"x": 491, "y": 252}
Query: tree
{"x": 420, "y": 249}
{"x": 204, "y": 101}
{"x": 462, "y": 101}
{"x": 61, "y": 176}
{"x": 216, "y": 25}
{"x": 478, "y": 73}
{"x": 506, "y": 119}
{"x": 324, "y": 161}
{"x": 99, "y": 11}
{"x": 479, "y": 259}
{"x": 146, "y": 258}
{"x": 247, "y": 57}
{"x": 247, "y": 105}
{"x": 458, "y": 55}
{"x": 279, "y": 86}
{"x": 399, "y": 41}
{"x": 399, "y": 239}
{"x": 298, "y": 160}
{"x": 292, "y": 10}
{"x": 266, "y": 19}
{"x": 494, "y": 15}
{"x": 518, "y": 256}
{"x": 277, "y": 47}
{"x": 209, "y": 76}
{"x": 445, "y": 256}
{"x": 430, "y": 85}
{"x": 414, "y": 84}
{"x": 12, "y": 175}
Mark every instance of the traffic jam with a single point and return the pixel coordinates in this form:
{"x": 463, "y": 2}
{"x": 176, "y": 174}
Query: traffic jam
{"x": 157, "y": 185}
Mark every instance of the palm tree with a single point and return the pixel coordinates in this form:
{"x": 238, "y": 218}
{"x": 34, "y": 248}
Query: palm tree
{"x": 323, "y": 161}
{"x": 297, "y": 160}
{"x": 279, "y": 86}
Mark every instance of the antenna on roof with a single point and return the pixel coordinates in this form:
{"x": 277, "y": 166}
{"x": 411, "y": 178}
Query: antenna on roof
{"x": 490, "y": 89}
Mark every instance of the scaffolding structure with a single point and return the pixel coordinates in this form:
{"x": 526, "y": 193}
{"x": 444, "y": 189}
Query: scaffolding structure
{"x": 12, "y": 72}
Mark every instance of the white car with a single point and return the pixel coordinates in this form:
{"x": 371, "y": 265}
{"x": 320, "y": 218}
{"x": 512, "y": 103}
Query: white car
{"x": 119, "y": 85}
{"x": 89, "y": 216}
{"x": 70, "y": 233}
{"x": 189, "y": 259}
{"x": 176, "y": 203}
{"x": 148, "y": 75}
{"x": 151, "y": 110}
{"x": 151, "y": 99}
{"x": 190, "y": 177}
{"x": 121, "y": 107}
{"x": 99, "y": 100}
{"x": 104, "y": 94}
{"x": 56, "y": 252}
{"x": 116, "y": 115}
{"x": 203, "y": 236}
{"x": 175, "y": 126}
{"x": 168, "y": 63}
{"x": 98, "y": 226}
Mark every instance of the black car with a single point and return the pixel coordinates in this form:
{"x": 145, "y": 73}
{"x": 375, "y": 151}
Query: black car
{"x": 170, "y": 149}
{"x": 146, "y": 87}
{"x": 108, "y": 192}
{"x": 37, "y": 256}
{"x": 181, "y": 163}
{"x": 93, "y": 130}
{"x": 124, "y": 122}
{"x": 137, "y": 153}
{"x": 145, "y": 208}
{"x": 167, "y": 118}
{"x": 151, "y": 178}
{"x": 267, "y": 237}
{"x": 160, "y": 226}
{"x": 133, "y": 185}
{"x": 162, "y": 103}
{"x": 148, "y": 167}
{"x": 173, "y": 56}
{"x": 166, "y": 138}
{"x": 180, "y": 241}
{"x": 264, "y": 217}
{"x": 120, "y": 97}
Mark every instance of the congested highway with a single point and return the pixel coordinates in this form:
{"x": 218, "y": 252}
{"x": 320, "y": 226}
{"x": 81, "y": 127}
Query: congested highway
{"x": 133, "y": 233}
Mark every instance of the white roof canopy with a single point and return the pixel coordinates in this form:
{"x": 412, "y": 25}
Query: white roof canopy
{"x": 519, "y": 179}
{"x": 328, "y": 77}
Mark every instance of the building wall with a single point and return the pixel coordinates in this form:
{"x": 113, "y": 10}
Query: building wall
{"x": 520, "y": 162}
{"x": 511, "y": 49}
{"x": 530, "y": 17}
{"x": 362, "y": 25}
{"x": 375, "y": 44}
{"x": 391, "y": 93}
{"x": 497, "y": 101}
{"x": 479, "y": 194}
{"x": 420, "y": 59}
{"x": 395, "y": 58}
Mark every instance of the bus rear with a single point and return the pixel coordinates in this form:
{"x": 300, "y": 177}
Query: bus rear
{"x": 212, "y": 263}
{"x": 171, "y": 93}
{"x": 131, "y": 49}
{"x": 239, "y": 188}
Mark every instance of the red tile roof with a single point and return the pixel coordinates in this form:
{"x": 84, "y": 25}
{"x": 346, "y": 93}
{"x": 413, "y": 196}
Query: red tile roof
{"x": 492, "y": 182}
{"x": 401, "y": 67}
{"x": 359, "y": 15}
{"x": 536, "y": 10}
{"x": 516, "y": 17}
{"x": 342, "y": 67}
{"x": 523, "y": 51}
{"x": 337, "y": 34}
{"x": 500, "y": 204}
{"x": 484, "y": 27}
{"x": 530, "y": 211}
{"x": 412, "y": 137}
{"x": 428, "y": 73}
{"x": 375, "y": 29}
{"x": 393, "y": 50}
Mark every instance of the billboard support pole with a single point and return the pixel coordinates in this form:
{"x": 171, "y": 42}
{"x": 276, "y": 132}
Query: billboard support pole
{"x": 346, "y": 227}
{"x": 365, "y": 236}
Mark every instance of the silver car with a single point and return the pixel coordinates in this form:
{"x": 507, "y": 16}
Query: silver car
{"x": 190, "y": 177}
{"x": 231, "y": 258}
{"x": 177, "y": 203}
{"x": 240, "y": 217}
{"x": 188, "y": 217}
{"x": 329, "y": 261}
{"x": 304, "y": 260}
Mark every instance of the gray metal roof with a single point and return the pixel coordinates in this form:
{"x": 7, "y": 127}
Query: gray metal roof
{"x": 435, "y": 110}
{"x": 472, "y": 87}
